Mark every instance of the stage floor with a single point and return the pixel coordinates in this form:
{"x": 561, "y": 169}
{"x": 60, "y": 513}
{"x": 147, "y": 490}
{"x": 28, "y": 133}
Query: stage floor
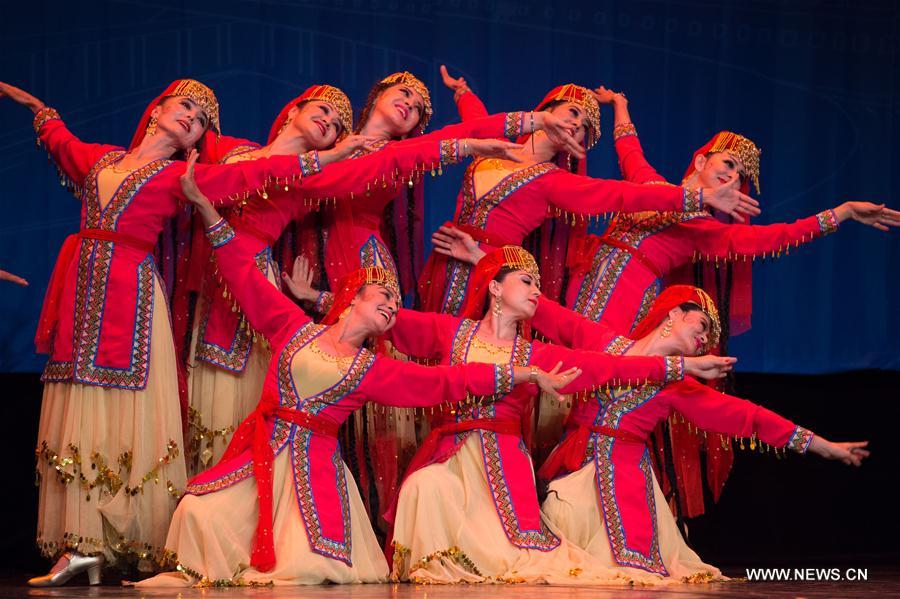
{"x": 882, "y": 583}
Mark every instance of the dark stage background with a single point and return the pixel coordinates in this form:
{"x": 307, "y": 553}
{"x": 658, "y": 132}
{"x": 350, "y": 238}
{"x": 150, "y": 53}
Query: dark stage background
{"x": 815, "y": 84}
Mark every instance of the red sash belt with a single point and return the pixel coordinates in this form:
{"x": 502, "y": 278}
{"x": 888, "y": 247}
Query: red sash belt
{"x": 569, "y": 455}
{"x": 253, "y": 434}
{"x": 50, "y": 310}
{"x": 428, "y": 448}
{"x": 583, "y": 259}
{"x": 433, "y": 282}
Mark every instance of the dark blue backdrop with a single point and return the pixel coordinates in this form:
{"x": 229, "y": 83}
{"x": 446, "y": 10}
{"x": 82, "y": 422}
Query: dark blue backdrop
{"x": 813, "y": 83}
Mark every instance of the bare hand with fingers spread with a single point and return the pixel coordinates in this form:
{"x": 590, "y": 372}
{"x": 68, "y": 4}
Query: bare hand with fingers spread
{"x": 299, "y": 283}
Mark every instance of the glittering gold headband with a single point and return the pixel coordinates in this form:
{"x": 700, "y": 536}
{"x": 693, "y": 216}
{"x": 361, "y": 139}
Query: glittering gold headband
{"x": 202, "y": 96}
{"x": 521, "y": 259}
{"x": 378, "y": 275}
{"x": 408, "y": 79}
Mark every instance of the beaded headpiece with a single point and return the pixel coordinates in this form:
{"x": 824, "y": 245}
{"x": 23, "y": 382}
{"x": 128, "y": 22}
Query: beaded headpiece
{"x": 519, "y": 258}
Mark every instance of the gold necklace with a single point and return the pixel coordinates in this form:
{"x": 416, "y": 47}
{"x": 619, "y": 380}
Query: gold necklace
{"x": 490, "y": 348}
{"x": 343, "y": 363}
{"x": 112, "y": 166}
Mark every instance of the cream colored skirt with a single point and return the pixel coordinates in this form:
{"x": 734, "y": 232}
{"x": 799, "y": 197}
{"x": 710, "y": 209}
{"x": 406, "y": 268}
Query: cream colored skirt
{"x": 220, "y": 399}
{"x": 447, "y": 530}
{"x": 213, "y": 536}
{"x": 110, "y": 461}
{"x": 572, "y": 508}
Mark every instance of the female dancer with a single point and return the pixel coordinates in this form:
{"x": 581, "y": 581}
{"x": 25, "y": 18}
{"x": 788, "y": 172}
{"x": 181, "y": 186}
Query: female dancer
{"x": 607, "y": 500}
{"x": 398, "y": 107}
{"x": 468, "y": 509}
{"x": 310, "y": 526}
{"x": 614, "y": 278}
{"x": 228, "y": 361}
{"x": 109, "y": 457}
{"x": 502, "y": 202}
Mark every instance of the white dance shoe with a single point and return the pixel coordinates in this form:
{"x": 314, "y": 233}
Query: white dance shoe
{"x": 71, "y": 564}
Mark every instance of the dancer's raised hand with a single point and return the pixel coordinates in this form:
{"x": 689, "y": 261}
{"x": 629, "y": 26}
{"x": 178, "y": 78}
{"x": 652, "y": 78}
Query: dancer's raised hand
{"x": 20, "y": 96}
{"x": 346, "y": 147}
{"x": 8, "y": 276}
{"x": 457, "y": 84}
{"x": 194, "y": 195}
{"x": 457, "y": 244}
{"x": 299, "y": 283}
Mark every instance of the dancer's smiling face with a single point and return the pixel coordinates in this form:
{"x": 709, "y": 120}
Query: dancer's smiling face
{"x": 401, "y": 107}
{"x": 375, "y": 306}
{"x": 318, "y": 122}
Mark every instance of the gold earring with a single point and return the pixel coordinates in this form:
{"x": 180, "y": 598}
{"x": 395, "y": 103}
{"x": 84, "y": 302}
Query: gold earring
{"x": 284, "y": 126}
{"x": 667, "y": 329}
{"x": 345, "y": 312}
{"x": 497, "y": 309}
{"x": 151, "y": 126}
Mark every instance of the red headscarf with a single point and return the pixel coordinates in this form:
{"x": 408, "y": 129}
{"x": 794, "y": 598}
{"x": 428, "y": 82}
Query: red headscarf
{"x": 511, "y": 256}
{"x": 351, "y": 284}
{"x": 673, "y": 297}
{"x": 324, "y": 93}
